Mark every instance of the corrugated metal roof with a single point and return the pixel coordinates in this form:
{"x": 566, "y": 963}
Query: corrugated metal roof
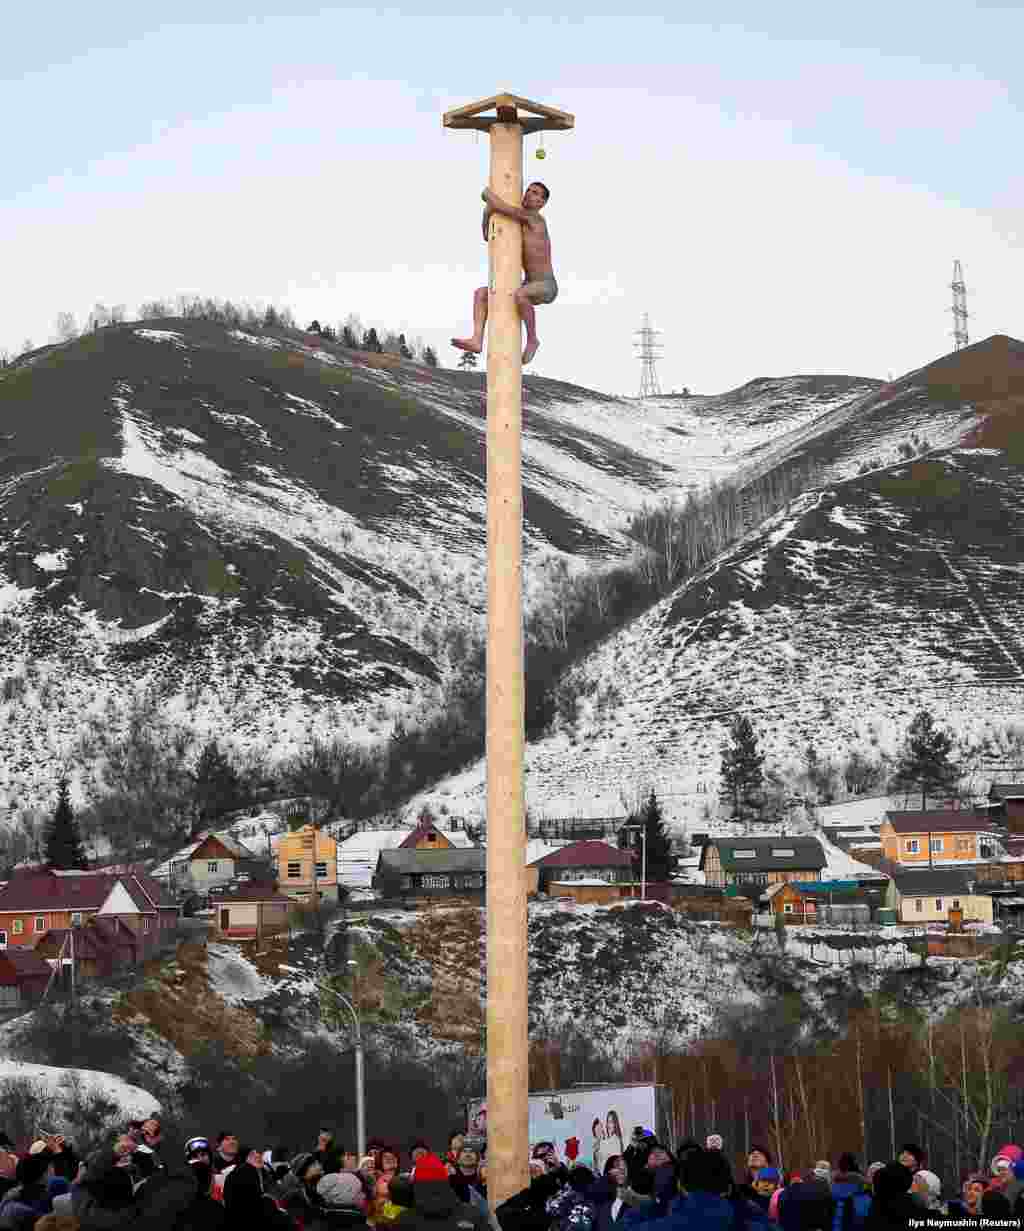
{"x": 923, "y": 882}
{"x": 473, "y": 860}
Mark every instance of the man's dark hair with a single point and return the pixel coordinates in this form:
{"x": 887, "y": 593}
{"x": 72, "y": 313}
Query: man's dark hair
{"x": 225, "y": 1133}
{"x": 848, "y": 1162}
{"x": 910, "y": 1148}
{"x": 705, "y": 1171}
{"x": 538, "y": 184}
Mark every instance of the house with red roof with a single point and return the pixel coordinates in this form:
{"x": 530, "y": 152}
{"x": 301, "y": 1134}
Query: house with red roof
{"x": 99, "y": 948}
{"x": 38, "y": 899}
{"x": 937, "y": 838}
{"x": 23, "y": 977}
{"x": 589, "y": 860}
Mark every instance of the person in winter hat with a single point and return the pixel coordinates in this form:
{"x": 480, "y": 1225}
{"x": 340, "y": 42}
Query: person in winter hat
{"x": 571, "y": 1209}
{"x": 437, "y": 1205}
{"x": 29, "y": 1199}
{"x": 342, "y": 1201}
{"x": 298, "y": 1191}
{"x": 247, "y": 1206}
{"x": 927, "y": 1192}
{"x": 526, "y": 1209}
{"x": 765, "y": 1183}
{"x": 911, "y": 1156}
{"x": 892, "y": 1206}
{"x": 968, "y": 1204}
{"x": 808, "y": 1205}
{"x": 850, "y": 1194}
{"x": 110, "y": 1203}
{"x": 202, "y": 1213}
{"x": 705, "y": 1178}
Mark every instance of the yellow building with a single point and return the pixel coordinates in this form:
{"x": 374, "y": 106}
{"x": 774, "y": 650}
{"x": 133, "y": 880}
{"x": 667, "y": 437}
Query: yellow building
{"x": 301, "y": 854}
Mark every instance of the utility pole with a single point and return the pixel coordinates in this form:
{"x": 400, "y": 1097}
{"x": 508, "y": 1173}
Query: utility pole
{"x": 649, "y": 386}
{"x": 642, "y": 829}
{"x": 959, "y": 307}
{"x": 507, "y": 1047}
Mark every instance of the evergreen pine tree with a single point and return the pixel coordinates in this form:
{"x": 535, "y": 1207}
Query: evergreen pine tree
{"x": 403, "y": 347}
{"x": 659, "y": 851}
{"x": 216, "y": 788}
{"x": 430, "y": 357}
{"x": 924, "y": 763}
{"x": 371, "y": 342}
{"x": 742, "y": 775}
{"x": 468, "y": 360}
{"x": 64, "y": 847}
{"x": 313, "y": 327}
{"x": 348, "y": 338}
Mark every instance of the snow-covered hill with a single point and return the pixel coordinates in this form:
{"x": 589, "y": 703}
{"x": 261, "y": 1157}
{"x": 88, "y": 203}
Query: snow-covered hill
{"x": 279, "y": 538}
{"x": 867, "y": 598}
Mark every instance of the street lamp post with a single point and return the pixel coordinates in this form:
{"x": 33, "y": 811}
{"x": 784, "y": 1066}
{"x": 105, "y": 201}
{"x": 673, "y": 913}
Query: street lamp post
{"x": 642, "y": 830}
{"x": 360, "y": 1081}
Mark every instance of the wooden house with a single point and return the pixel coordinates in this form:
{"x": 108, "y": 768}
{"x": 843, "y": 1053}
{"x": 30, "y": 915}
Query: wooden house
{"x": 99, "y": 948}
{"x": 250, "y": 911}
{"x": 929, "y": 895}
{"x": 305, "y": 856}
{"x": 419, "y": 873}
{"x": 23, "y": 977}
{"x": 938, "y": 837}
{"x": 753, "y": 863}
{"x": 590, "y": 860}
{"x": 1006, "y": 804}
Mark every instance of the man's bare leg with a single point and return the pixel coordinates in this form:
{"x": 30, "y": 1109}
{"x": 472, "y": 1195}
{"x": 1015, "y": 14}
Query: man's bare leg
{"x": 476, "y": 342}
{"x": 529, "y": 315}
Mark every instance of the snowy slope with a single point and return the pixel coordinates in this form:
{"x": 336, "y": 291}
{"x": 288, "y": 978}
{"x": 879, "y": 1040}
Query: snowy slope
{"x": 277, "y": 537}
{"x": 52, "y": 1083}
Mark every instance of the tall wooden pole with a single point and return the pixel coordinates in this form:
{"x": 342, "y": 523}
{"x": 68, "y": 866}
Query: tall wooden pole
{"x": 507, "y": 1034}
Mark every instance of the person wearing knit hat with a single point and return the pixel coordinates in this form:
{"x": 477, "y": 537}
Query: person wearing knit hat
{"x": 765, "y": 1183}
{"x": 342, "y": 1201}
{"x": 437, "y": 1205}
{"x": 968, "y": 1204}
{"x": 298, "y": 1190}
{"x": 714, "y": 1142}
{"x": 29, "y": 1199}
{"x": 927, "y": 1191}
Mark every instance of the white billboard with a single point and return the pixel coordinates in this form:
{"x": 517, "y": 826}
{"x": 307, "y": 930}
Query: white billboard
{"x": 590, "y": 1122}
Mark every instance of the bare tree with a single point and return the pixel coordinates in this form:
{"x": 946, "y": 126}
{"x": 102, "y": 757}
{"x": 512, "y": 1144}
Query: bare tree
{"x": 66, "y": 327}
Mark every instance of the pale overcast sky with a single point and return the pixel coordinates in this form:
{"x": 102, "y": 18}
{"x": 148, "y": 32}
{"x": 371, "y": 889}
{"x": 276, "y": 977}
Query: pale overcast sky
{"x": 783, "y": 186}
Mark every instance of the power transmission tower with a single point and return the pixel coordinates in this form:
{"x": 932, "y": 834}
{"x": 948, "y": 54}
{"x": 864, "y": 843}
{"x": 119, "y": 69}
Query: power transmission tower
{"x": 959, "y": 307}
{"x": 649, "y": 386}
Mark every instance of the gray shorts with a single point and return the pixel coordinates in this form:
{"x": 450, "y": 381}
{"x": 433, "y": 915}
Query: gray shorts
{"x": 543, "y": 290}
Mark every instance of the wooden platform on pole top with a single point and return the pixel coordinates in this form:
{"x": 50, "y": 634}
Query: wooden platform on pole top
{"x": 506, "y": 111}
{"x": 507, "y": 969}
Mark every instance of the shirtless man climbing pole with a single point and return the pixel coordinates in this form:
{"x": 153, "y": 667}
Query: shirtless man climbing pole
{"x": 539, "y": 285}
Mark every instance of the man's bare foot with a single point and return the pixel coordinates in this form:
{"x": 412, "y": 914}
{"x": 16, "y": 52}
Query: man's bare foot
{"x": 468, "y": 344}
{"x": 531, "y": 349}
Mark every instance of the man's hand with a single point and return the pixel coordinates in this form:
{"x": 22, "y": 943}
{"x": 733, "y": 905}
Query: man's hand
{"x": 502, "y": 207}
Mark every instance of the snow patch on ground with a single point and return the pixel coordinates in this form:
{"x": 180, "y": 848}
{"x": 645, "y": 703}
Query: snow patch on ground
{"x": 234, "y": 979}
{"x": 51, "y": 1083}
{"x": 51, "y": 561}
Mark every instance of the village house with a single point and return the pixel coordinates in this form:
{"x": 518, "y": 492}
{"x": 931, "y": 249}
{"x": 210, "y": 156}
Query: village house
{"x": 599, "y": 863}
{"x": 305, "y": 856}
{"x": 839, "y": 902}
{"x": 927, "y": 839}
{"x": 1006, "y": 804}
{"x": 213, "y": 859}
{"x": 418, "y": 873}
{"x": 38, "y": 899}
{"x": 23, "y": 977}
{"x": 358, "y": 854}
{"x": 754, "y": 863}
{"x": 938, "y": 895}
{"x": 99, "y": 948}
{"x": 250, "y": 912}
